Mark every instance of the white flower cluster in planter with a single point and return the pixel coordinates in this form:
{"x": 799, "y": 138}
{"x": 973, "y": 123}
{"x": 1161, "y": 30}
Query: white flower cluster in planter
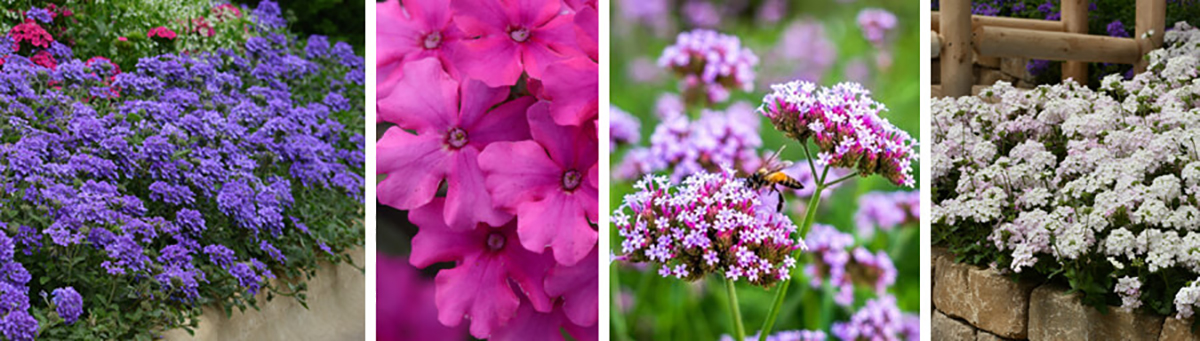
{"x": 1076, "y": 177}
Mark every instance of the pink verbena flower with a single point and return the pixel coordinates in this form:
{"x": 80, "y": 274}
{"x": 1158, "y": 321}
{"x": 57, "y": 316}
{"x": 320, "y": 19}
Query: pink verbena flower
{"x": 453, "y": 123}
{"x": 161, "y": 32}
{"x": 548, "y": 182}
{"x": 573, "y": 86}
{"x": 512, "y": 37}
{"x": 486, "y": 259}
{"x": 879, "y": 319}
{"x": 406, "y": 310}
{"x": 844, "y": 123}
{"x": 32, "y": 33}
{"x": 712, "y": 222}
{"x": 830, "y": 262}
{"x": 421, "y": 29}
{"x": 579, "y": 287}
{"x": 875, "y": 24}
{"x": 710, "y": 63}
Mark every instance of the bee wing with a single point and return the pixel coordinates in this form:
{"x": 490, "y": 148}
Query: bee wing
{"x": 770, "y": 162}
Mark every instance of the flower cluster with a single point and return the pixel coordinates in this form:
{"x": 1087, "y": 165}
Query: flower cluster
{"x": 684, "y": 146}
{"x": 844, "y": 123}
{"x": 879, "y": 319}
{"x": 887, "y": 210}
{"x": 789, "y": 335}
{"x": 1102, "y": 183}
{"x": 710, "y": 223}
{"x": 875, "y": 24}
{"x": 837, "y": 260}
{"x": 192, "y": 178}
{"x": 623, "y": 128}
{"x": 710, "y": 64}
{"x": 161, "y": 32}
{"x": 493, "y": 150}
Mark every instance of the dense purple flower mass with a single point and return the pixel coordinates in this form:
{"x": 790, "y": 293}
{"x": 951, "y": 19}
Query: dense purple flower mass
{"x": 178, "y": 176}
{"x": 68, "y": 304}
{"x": 710, "y": 64}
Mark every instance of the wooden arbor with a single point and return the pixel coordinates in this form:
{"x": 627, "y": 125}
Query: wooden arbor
{"x": 957, "y": 36}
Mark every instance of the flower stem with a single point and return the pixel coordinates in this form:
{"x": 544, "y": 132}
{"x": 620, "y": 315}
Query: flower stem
{"x": 810, "y": 215}
{"x": 739, "y": 332}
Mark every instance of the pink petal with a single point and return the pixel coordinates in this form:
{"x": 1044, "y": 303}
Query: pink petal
{"x": 591, "y": 333}
{"x": 396, "y": 34}
{"x": 535, "y": 13}
{"x": 406, "y": 310}
{"x": 587, "y": 32}
{"x": 435, "y": 242}
{"x": 491, "y": 59}
{"x": 529, "y": 271}
{"x": 529, "y": 324}
{"x": 572, "y": 147}
{"x": 574, "y": 89}
{"x": 504, "y": 123}
{"x": 518, "y": 172}
{"x": 594, "y": 176}
{"x": 433, "y": 14}
{"x": 481, "y": 17}
{"x": 415, "y": 166}
{"x": 478, "y": 288}
{"x": 425, "y": 100}
{"x": 548, "y": 44}
{"x": 579, "y": 287}
{"x": 557, "y": 221}
{"x": 589, "y": 198}
{"x": 467, "y": 200}
{"x": 388, "y": 76}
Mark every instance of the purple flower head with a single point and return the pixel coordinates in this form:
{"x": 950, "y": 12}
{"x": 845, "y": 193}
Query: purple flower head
{"x": 623, "y": 128}
{"x": 875, "y": 269}
{"x": 702, "y": 13}
{"x": 18, "y": 325}
{"x": 683, "y": 146}
{"x": 710, "y": 223}
{"x": 844, "y": 123}
{"x": 879, "y": 319}
{"x": 246, "y": 277}
{"x": 220, "y": 255}
{"x": 710, "y": 63}
{"x": 788, "y": 335}
{"x": 875, "y": 24}
{"x": 68, "y": 304}
{"x": 1117, "y": 29}
{"x": 829, "y": 247}
{"x": 39, "y": 14}
{"x": 886, "y": 211}
{"x": 268, "y": 16}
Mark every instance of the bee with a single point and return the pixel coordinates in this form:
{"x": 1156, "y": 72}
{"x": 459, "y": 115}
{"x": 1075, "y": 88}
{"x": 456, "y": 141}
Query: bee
{"x": 770, "y": 174}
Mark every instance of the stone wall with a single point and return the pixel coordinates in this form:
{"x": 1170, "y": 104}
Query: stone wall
{"x": 336, "y": 311}
{"x": 973, "y": 303}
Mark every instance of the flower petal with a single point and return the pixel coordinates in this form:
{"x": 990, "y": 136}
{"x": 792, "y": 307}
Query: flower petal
{"x": 587, "y": 32}
{"x": 574, "y": 89}
{"x": 477, "y": 288}
{"x": 492, "y": 59}
{"x": 557, "y": 221}
{"x": 529, "y": 324}
{"x": 467, "y": 200}
{"x": 572, "y": 147}
{"x": 425, "y": 100}
{"x": 537, "y": 12}
{"x": 395, "y": 39}
{"x": 415, "y": 165}
{"x": 579, "y": 286}
{"x": 435, "y": 242}
{"x": 481, "y": 17}
{"x": 517, "y": 172}
{"x": 548, "y": 44}
{"x": 504, "y": 123}
{"x": 531, "y": 274}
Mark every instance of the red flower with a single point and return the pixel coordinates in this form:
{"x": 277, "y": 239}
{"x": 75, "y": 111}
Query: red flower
{"x": 161, "y": 32}
{"x": 31, "y": 32}
{"x": 44, "y": 59}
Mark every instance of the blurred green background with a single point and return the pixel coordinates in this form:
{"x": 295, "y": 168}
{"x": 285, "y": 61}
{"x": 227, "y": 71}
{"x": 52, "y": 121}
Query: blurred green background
{"x": 647, "y": 306}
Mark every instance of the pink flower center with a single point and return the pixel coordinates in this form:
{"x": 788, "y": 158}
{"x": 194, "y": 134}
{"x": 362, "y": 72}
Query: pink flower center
{"x": 456, "y": 137}
{"x": 495, "y": 241}
{"x": 571, "y": 180}
{"x": 433, "y": 40}
{"x": 519, "y": 34}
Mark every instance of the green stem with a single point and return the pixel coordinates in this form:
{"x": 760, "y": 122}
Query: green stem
{"x": 739, "y": 332}
{"x": 809, "y": 217}
{"x": 617, "y": 318}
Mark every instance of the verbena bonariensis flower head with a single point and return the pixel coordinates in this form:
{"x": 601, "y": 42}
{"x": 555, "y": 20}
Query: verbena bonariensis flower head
{"x": 710, "y": 223}
{"x": 787, "y": 335}
{"x": 844, "y": 123}
{"x": 68, "y": 304}
{"x": 686, "y": 146}
{"x": 879, "y": 319}
{"x": 710, "y": 64}
{"x": 875, "y": 24}
{"x": 886, "y": 210}
{"x": 624, "y": 129}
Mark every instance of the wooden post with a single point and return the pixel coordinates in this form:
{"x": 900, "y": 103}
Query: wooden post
{"x": 982, "y": 20}
{"x": 1075, "y": 20}
{"x": 957, "y": 76}
{"x": 1151, "y": 17}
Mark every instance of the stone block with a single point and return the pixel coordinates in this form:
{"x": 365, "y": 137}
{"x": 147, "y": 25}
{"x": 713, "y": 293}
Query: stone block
{"x": 1174, "y": 329}
{"x": 1055, "y": 315}
{"x": 949, "y": 329}
{"x": 983, "y": 297}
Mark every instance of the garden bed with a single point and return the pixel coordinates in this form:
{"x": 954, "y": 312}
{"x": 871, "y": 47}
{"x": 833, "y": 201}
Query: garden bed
{"x": 976, "y": 303}
{"x": 335, "y": 311}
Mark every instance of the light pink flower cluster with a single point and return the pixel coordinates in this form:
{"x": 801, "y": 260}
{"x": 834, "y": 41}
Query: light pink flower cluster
{"x": 711, "y": 222}
{"x": 685, "y": 146}
{"x": 494, "y": 153}
{"x": 710, "y": 63}
{"x": 844, "y": 265}
{"x": 875, "y": 24}
{"x": 886, "y": 211}
{"x": 844, "y": 123}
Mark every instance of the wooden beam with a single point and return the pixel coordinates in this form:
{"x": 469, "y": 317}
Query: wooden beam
{"x": 956, "y": 60}
{"x": 1075, "y": 20}
{"x": 1151, "y": 17}
{"x": 1015, "y": 42}
{"x": 983, "y": 20}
